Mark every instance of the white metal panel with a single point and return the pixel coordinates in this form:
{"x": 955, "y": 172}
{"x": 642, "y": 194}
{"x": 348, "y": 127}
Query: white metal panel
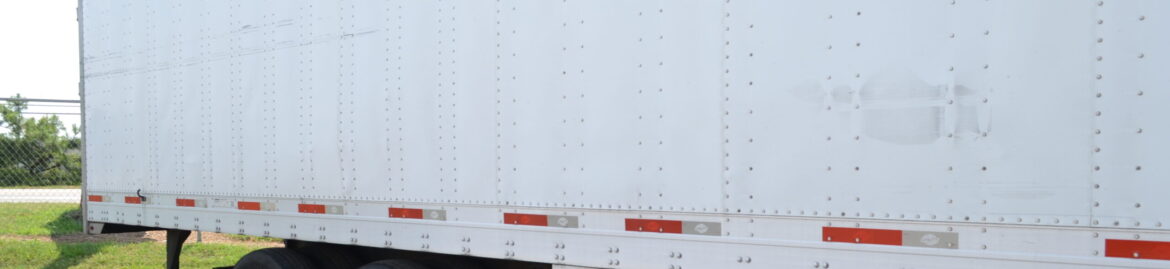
{"x": 897, "y": 122}
{"x": 771, "y": 119}
{"x": 1129, "y": 150}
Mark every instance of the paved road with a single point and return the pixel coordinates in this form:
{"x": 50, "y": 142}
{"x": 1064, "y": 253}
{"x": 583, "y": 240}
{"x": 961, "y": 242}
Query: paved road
{"x": 40, "y": 195}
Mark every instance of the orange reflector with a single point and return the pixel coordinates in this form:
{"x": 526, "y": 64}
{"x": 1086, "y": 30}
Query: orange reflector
{"x": 654, "y": 226}
{"x": 406, "y": 213}
{"x": 525, "y": 219}
{"x": 311, "y": 208}
{"x": 1137, "y": 249}
{"x": 862, "y": 236}
{"x": 248, "y": 205}
{"x": 185, "y": 202}
{"x": 95, "y": 198}
{"x": 133, "y": 200}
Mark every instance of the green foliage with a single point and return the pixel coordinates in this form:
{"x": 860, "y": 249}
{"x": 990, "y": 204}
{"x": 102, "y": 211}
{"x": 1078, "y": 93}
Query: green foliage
{"x": 43, "y": 236}
{"x": 37, "y": 151}
{"x": 40, "y": 219}
{"x": 41, "y": 255}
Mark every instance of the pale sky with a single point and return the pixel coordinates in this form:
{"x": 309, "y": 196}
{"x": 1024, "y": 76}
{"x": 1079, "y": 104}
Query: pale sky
{"x": 38, "y": 53}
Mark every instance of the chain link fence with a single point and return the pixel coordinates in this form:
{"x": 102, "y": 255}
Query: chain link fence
{"x": 40, "y": 150}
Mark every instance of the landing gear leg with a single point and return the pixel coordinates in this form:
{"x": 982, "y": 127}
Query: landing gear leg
{"x": 175, "y": 239}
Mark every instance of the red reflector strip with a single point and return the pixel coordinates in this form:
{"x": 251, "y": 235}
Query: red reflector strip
{"x": 311, "y": 208}
{"x": 654, "y": 226}
{"x": 95, "y": 198}
{"x": 241, "y": 205}
{"x": 406, "y": 213}
{"x": 861, "y": 236}
{"x": 132, "y": 200}
{"x": 185, "y": 202}
{"x": 525, "y": 219}
{"x": 1137, "y": 249}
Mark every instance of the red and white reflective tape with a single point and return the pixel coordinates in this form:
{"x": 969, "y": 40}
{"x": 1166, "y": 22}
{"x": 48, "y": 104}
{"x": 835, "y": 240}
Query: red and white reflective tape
{"x": 890, "y": 237}
{"x": 187, "y": 202}
{"x": 417, "y": 213}
{"x": 673, "y": 226}
{"x": 255, "y": 206}
{"x": 1137, "y": 249}
{"x": 132, "y": 200}
{"x": 96, "y": 198}
{"x": 320, "y": 209}
{"x": 541, "y": 220}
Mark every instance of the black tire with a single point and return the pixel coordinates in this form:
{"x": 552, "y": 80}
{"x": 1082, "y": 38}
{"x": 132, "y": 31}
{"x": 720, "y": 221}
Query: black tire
{"x": 331, "y": 256}
{"x": 393, "y": 264}
{"x": 452, "y": 263}
{"x": 274, "y": 258}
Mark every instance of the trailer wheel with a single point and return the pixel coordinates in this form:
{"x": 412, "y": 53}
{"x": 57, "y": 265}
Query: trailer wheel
{"x": 274, "y": 258}
{"x": 452, "y": 263}
{"x": 331, "y": 256}
{"x": 393, "y": 264}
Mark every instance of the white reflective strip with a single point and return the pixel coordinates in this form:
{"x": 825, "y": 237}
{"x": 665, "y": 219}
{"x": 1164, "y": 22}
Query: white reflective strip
{"x": 562, "y": 221}
{"x": 435, "y": 214}
{"x": 223, "y": 203}
{"x": 701, "y": 228}
{"x": 930, "y": 239}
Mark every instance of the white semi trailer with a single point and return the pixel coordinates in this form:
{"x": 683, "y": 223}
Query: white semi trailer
{"x": 636, "y": 134}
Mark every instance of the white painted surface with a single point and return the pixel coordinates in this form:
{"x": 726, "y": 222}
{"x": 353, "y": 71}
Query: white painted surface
{"x": 1032, "y": 129}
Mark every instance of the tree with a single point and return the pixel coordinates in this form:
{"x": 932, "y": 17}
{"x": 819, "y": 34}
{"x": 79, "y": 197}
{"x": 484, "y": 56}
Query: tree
{"x": 37, "y": 151}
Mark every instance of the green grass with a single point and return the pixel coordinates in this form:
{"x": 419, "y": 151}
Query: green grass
{"x": 39, "y": 254}
{"x": 44, "y": 220}
{"x": 39, "y": 219}
{"x": 249, "y": 238}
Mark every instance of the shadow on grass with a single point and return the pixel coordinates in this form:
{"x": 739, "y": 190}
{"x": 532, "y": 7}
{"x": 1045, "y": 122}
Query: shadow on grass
{"x": 73, "y": 246}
